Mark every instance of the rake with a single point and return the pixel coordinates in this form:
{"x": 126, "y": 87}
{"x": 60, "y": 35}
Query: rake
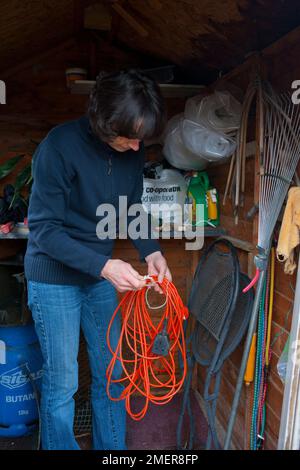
{"x": 279, "y": 155}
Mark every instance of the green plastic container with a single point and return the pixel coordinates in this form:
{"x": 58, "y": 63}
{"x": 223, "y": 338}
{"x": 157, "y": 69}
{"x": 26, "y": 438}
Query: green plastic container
{"x": 204, "y": 200}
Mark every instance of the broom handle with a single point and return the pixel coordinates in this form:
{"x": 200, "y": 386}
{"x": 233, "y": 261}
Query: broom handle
{"x": 241, "y": 150}
{"x": 252, "y": 93}
{"x": 229, "y": 177}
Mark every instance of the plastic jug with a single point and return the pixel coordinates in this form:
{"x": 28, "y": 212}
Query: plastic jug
{"x": 204, "y": 200}
{"x": 197, "y": 189}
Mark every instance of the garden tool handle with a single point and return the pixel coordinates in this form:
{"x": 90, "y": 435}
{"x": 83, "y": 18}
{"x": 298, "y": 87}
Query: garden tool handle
{"x": 253, "y": 282}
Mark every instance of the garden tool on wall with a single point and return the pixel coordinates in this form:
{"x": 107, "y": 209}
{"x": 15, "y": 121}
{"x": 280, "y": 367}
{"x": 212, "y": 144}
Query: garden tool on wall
{"x": 222, "y": 314}
{"x": 237, "y": 170}
{"x": 279, "y": 155}
{"x": 262, "y": 359}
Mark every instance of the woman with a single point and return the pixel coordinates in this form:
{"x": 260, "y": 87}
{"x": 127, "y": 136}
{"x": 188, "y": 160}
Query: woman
{"x": 72, "y": 279}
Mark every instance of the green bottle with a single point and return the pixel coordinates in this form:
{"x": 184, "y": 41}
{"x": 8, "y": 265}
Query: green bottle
{"x": 197, "y": 189}
{"x": 202, "y": 193}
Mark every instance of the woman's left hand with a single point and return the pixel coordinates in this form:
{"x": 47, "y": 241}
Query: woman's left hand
{"x": 157, "y": 265}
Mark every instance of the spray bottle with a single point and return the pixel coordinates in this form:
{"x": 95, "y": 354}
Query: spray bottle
{"x": 197, "y": 196}
{"x": 202, "y": 194}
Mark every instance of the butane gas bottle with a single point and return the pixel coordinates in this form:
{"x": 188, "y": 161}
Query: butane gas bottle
{"x": 20, "y": 378}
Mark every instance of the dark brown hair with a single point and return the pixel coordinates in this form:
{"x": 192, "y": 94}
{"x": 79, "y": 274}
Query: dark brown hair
{"x": 128, "y": 104}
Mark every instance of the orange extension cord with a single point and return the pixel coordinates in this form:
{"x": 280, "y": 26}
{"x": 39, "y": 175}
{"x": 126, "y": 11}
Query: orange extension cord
{"x": 141, "y": 367}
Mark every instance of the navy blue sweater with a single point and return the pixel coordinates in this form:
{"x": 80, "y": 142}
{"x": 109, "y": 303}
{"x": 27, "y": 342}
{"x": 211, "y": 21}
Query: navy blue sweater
{"x": 73, "y": 173}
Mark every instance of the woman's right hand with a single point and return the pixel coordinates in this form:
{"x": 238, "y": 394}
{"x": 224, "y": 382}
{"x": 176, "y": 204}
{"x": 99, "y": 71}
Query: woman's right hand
{"x": 122, "y": 275}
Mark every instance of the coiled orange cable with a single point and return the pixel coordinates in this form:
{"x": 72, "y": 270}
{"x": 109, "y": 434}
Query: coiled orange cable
{"x": 142, "y": 369}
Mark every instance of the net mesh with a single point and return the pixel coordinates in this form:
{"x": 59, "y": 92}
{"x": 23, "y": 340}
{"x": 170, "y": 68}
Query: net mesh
{"x": 214, "y": 286}
{"x": 205, "y": 343}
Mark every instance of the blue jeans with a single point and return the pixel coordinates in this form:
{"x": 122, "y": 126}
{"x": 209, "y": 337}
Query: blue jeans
{"x": 58, "y": 312}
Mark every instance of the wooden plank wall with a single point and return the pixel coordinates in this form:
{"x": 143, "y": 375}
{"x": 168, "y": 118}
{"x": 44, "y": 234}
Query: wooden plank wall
{"x": 282, "y": 68}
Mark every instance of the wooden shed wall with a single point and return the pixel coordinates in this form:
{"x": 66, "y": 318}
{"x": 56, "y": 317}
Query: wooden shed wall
{"x": 281, "y": 67}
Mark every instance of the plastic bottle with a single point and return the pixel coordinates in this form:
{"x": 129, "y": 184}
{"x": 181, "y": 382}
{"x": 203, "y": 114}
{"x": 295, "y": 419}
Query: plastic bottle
{"x": 213, "y": 206}
{"x": 201, "y": 193}
{"x": 197, "y": 195}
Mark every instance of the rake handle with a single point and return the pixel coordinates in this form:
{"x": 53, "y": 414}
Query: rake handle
{"x": 253, "y": 282}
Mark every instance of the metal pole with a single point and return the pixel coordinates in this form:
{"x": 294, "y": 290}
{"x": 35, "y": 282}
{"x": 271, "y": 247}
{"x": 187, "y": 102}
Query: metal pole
{"x": 289, "y": 433}
{"x": 240, "y": 380}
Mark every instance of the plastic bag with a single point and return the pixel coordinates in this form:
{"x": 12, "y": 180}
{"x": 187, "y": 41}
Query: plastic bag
{"x": 152, "y": 170}
{"x": 220, "y": 111}
{"x": 160, "y": 195}
{"x": 206, "y": 142}
{"x": 176, "y": 152}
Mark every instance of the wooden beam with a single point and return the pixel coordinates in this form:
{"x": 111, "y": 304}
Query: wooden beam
{"x": 240, "y": 244}
{"x": 84, "y": 87}
{"x": 282, "y": 44}
{"x": 255, "y": 60}
{"x": 130, "y": 20}
{"x": 78, "y": 16}
{"x": 37, "y": 58}
{"x": 250, "y": 63}
{"x": 93, "y": 58}
{"x": 98, "y": 17}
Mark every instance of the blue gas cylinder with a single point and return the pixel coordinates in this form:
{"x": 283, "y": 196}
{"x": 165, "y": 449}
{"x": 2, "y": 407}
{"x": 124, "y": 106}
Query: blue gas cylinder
{"x": 20, "y": 379}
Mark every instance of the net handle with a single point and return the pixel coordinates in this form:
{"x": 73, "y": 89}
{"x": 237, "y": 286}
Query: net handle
{"x": 253, "y": 282}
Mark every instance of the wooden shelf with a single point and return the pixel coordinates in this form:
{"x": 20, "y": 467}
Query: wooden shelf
{"x": 11, "y": 262}
{"x": 208, "y": 232}
{"x": 14, "y": 235}
{"x": 169, "y": 90}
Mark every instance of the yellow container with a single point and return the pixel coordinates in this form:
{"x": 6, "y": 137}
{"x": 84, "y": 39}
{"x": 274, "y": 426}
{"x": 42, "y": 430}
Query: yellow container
{"x": 212, "y": 204}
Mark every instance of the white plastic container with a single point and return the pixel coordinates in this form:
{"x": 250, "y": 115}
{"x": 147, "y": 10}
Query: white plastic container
{"x": 174, "y": 150}
{"x": 220, "y": 111}
{"x": 204, "y": 141}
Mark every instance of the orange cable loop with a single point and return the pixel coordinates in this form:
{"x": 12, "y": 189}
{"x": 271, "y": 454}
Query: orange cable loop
{"x": 141, "y": 367}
